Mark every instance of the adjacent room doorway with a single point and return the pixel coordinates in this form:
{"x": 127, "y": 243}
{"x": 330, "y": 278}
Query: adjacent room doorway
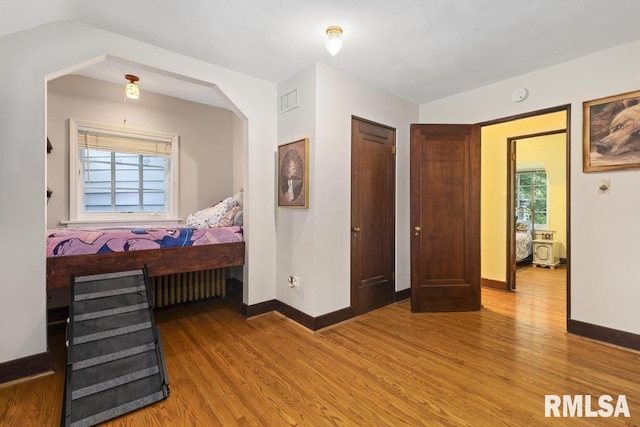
{"x": 536, "y": 199}
{"x": 445, "y": 251}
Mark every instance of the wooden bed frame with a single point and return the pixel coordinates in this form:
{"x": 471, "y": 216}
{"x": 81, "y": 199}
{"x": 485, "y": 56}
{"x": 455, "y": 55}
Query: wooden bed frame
{"x": 158, "y": 261}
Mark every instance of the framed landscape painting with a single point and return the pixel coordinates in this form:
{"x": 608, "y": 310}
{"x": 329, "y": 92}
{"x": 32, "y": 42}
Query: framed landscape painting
{"x": 611, "y": 134}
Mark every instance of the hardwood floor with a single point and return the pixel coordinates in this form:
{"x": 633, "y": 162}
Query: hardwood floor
{"x": 386, "y": 367}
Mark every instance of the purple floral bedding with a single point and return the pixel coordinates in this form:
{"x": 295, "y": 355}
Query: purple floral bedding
{"x": 67, "y": 241}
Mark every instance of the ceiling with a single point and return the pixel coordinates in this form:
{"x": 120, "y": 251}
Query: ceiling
{"x": 420, "y": 50}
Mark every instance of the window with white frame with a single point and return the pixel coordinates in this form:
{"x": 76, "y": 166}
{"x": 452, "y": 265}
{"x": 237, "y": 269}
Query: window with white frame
{"x": 531, "y": 193}
{"x": 121, "y": 175}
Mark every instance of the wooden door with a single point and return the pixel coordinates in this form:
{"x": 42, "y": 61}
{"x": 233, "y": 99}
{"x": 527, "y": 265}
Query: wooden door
{"x": 372, "y": 215}
{"x": 512, "y": 204}
{"x": 445, "y": 218}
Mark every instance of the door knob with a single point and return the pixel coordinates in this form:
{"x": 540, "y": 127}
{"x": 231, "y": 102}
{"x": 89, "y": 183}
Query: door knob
{"x": 417, "y": 230}
{"x": 355, "y": 229}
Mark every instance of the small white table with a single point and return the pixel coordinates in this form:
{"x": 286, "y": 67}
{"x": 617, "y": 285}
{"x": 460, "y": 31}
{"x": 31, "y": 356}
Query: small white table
{"x": 545, "y": 253}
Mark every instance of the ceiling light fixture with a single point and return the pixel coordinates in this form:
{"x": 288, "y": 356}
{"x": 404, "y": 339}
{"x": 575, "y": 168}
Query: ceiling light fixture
{"x": 132, "y": 90}
{"x": 334, "y": 39}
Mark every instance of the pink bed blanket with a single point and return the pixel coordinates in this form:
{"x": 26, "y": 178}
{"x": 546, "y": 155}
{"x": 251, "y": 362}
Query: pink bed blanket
{"x": 67, "y": 241}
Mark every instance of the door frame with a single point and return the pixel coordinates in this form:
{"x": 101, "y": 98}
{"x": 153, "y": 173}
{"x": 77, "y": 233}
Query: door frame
{"x": 567, "y": 109}
{"x": 511, "y": 223}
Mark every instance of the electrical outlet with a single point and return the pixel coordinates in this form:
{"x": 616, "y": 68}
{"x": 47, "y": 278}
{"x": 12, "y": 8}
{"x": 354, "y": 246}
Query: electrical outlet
{"x": 604, "y": 186}
{"x": 294, "y": 282}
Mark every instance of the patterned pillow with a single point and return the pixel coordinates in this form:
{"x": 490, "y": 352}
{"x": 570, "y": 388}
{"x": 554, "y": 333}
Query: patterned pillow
{"x": 238, "y": 197}
{"x": 227, "y": 220}
{"x": 211, "y": 217}
{"x": 238, "y": 219}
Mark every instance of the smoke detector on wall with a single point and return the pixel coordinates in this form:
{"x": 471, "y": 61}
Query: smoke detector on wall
{"x": 519, "y": 94}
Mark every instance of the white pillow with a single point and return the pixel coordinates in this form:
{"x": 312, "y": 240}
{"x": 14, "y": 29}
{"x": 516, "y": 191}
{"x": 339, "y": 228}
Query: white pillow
{"x": 238, "y": 197}
{"x": 211, "y": 217}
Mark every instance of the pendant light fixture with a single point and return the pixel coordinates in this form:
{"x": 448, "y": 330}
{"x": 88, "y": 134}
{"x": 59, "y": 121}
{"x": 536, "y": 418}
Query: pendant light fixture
{"x": 132, "y": 90}
{"x": 334, "y": 39}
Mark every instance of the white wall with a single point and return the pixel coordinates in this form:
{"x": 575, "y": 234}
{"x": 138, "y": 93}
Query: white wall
{"x": 238, "y": 133}
{"x": 341, "y": 96}
{"x": 315, "y": 243}
{"x": 206, "y": 138}
{"x": 296, "y": 227}
{"x": 604, "y": 233}
{"x": 32, "y": 57}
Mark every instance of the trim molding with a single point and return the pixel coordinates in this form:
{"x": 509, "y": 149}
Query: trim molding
{"x": 601, "y": 333}
{"x": 258, "y": 309}
{"x": 310, "y": 322}
{"x": 494, "y": 284}
{"x": 296, "y": 315}
{"x": 565, "y": 107}
{"x": 25, "y": 367}
{"x": 313, "y": 323}
{"x": 333, "y": 318}
{"x": 402, "y": 295}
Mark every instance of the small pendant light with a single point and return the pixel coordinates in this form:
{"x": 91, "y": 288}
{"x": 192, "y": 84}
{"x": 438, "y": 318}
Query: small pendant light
{"x": 132, "y": 90}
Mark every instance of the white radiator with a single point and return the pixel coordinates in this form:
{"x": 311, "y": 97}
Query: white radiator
{"x": 185, "y": 287}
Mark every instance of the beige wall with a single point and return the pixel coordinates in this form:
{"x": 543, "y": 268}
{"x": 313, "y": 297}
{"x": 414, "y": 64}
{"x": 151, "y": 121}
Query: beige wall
{"x": 206, "y": 169}
{"x": 493, "y": 244}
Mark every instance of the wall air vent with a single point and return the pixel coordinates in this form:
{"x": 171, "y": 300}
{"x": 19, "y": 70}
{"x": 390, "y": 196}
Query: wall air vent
{"x": 289, "y": 101}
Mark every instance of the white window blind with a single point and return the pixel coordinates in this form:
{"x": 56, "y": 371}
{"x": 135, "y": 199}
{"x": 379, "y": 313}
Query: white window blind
{"x": 119, "y": 144}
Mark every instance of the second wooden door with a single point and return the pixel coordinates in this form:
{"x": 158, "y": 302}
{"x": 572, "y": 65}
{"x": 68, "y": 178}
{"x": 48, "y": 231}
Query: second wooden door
{"x": 372, "y": 215}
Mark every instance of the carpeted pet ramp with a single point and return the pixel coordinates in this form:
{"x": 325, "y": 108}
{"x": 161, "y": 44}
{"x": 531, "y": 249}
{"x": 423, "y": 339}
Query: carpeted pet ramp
{"x": 115, "y": 362}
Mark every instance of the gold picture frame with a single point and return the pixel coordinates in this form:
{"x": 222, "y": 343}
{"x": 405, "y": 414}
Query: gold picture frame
{"x": 611, "y": 136}
{"x": 293, "y": 174}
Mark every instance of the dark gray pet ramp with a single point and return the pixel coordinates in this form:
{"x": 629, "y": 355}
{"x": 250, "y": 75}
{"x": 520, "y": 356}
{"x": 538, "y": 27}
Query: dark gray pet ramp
{"x": 115, "y": 362}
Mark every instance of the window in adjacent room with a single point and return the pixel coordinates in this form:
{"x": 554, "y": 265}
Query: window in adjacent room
{"x": 531, "y": 193}
{"x": 121, "y": 174}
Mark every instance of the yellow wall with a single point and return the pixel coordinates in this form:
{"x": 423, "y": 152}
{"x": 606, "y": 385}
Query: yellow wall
{"x": 494, "y": 187}
{"x": 551, "y": 152}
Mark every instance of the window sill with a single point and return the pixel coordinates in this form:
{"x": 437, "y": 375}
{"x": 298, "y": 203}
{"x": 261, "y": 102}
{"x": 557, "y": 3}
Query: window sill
{"x": 120, "y": 222}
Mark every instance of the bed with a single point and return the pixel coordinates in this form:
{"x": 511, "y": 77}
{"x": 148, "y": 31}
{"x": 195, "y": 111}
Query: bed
{"x": 165, "y": 251}
{"x": 210, "y": 240}
{"x": 523, "y": 242}
{"x": 524, "y": 235}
